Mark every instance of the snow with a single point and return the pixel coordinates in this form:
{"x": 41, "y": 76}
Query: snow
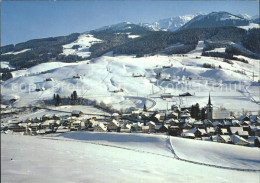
{"x": 17, "y": 52}
{"x": 250, "y": 26}
{"x": 91, "y": 157}
{"x": 48, "y": 66}
{"x": 229, "y": 17}
{"x": 84, "y": 41}
{"x": 6, "y": 65}
{"x": 133, "y": 36}
{"x": 172, "y": 23}
{"x": 220, "y": 50}
{"x": 198, "y": 50}
{"x": 100, "y": 77}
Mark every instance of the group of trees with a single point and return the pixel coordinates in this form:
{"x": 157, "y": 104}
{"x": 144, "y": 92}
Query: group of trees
{"x": 251, "y": 40}
{"x": 195, "y": 111}
{"x": 74, "y": 98}
{"x": 57, "y": 99}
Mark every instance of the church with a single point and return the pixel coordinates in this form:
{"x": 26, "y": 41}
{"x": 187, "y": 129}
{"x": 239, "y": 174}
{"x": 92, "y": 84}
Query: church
{"x": 216, "y": 114}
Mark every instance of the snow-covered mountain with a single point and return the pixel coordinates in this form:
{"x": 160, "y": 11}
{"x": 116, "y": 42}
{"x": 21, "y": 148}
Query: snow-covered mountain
{"x": 124, "y": 27}
{"x": 170, "y": 24}
{"x": 216, "y": 19}
{"x": 245, "y": 16}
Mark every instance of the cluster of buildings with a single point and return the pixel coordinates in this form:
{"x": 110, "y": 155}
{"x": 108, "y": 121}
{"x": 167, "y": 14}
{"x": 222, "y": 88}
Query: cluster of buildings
{"x": 217, "y": 127}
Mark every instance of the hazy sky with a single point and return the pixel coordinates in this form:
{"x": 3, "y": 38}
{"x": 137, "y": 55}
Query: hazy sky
{"x": 22, "y": 21}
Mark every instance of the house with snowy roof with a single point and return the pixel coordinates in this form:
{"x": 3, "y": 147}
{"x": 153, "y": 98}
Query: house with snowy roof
{"x": 100, "y": 128}
{"x": 221, "y": 138}
{"x": 191, "y": 133}
{"x": 76, "y": 113}
{"x": 113, "y": 126}
{"x": 172, "y": 115}
{"x": 155, "y": 117}
{"x": 62, "y": 129}
{"x": 224, "y": 131}
{"x": 151, "y": 125}
{"x": 137, "y": 126}
{"x": 145, "y": 129}
{"x": 126, "y": 128}
{"x": 174, "y": 130}
{"x": 187, "y": 126}
{"x": 237, "y": 140}
{"x": 161, "y": 128}
{"x": 198, "y": 124}
{"x": 210, "y": 131}
{"x": 239, "y": 131}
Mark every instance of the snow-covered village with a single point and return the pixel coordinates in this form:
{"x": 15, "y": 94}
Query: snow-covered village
{"x": 207, "y": 124}
{"x": 172, "y": 99}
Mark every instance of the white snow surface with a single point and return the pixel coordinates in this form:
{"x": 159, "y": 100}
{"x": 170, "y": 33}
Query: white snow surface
{"x": 6, "y": 65}
{"x": 105, "y": 74}
{"x": 250, "y": 26}
{"x": 110, "y": 157}
{"x": 84, "y": 41}
{"x": 16, "y": 52}
{"x": 220, "y": 50}
{"x": 133, "y": 36}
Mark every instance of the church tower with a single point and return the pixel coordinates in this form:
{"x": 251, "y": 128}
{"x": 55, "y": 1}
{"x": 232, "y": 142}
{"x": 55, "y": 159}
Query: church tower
{"x": 209, "y": 110}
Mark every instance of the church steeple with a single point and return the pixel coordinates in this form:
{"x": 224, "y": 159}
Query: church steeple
{"x": 209, "y": 102}
{"x": 209, "y": 110}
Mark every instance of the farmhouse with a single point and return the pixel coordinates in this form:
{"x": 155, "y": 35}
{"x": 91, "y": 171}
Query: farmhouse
{"x": 76, "y": 113}
{"x": 113, "y": 126}
{"x": 126, "y": 128}
{"x": 100, "y": 128}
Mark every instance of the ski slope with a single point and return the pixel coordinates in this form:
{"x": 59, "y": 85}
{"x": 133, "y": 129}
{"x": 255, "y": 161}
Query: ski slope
{"x": 111, "y": 157}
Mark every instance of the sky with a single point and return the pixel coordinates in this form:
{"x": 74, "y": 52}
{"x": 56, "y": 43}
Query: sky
{"x": 25, "y": 20}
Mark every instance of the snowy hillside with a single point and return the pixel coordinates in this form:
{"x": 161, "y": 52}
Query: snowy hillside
{"x": 81, "y": 46}
{"x": 216, "y": 19}
{"x": 109, "y": 157}
{"x": 231, "y": 85}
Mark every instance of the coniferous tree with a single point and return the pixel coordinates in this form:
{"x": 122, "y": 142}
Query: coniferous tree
{"x": 203, "y": 114}
{"x": 74, "y": 97}
{"x": 58, "y": 100}
{"x": 145, "y": 108}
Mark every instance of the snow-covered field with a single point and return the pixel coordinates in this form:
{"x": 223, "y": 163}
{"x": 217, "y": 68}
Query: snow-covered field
{"x": 112, "y": 157}
{"x": 6, "y": 65}
{"x": 231, "y": 86}
{"x": 84, "y": 42}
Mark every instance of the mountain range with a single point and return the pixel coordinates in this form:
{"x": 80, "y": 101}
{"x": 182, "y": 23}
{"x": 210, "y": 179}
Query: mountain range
{"x": 218, "y": 28}
{"x": 176, "y": 22}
